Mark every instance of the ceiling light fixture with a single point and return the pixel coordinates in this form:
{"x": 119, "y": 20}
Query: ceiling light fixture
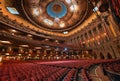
{"x": 7, "y": 54}
{"x": 38, "y": 48}
{"x": 13, "y": 31}
{"x": 62, "y": 24}
{"x": 95, "y": 9}
{"x": 56, "y": 40}
{"x": 48, "y": 22}
{"x": 66, "y": 32}
{"x": 1, "y": 58}
{"x": 12, "y": 10}
{"x": 68, "y": 1}
{"x": 20, "y": 54}
{"x": 24, "y": 45}
{"x": 35, "y": 11}
{"x": 47, "y": 46}
{"x": 6, "y": 42}
{"x": 46, "y": 39}
{"x": 29, "y": 35}
{"x": 73, "y": 7}
{"x": 56, "y": 19}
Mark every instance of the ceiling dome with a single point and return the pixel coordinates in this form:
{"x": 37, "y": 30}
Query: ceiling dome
{"x": 55, "y": 15}
{"x": 56, "y": 9}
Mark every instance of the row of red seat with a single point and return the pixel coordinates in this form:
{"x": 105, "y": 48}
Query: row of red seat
{"x": 112, "y": 66}
{"x": 71, "y": 75}
{"x": 74, "y": 63}
{"x": 58, "y": 75}
{"x": 44, "y": 71}
{"x": 71, "y": 63}
{"x": 30, "y": 72}
{"x": 84, "y": 75}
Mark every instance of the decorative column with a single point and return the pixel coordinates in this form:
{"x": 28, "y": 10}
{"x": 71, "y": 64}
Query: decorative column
{"x": 45, "y": 52}
{"x": 9, "y": 50}
{"x": 76, "y": 42}
{"x": 21, "y": 51}
{"x": 93, "y": 39}
{"x": 38, "y": 54}
{"x": 113, "y": 26}
{"x": 30, "y": 51}
{"x": 73, "y": 42}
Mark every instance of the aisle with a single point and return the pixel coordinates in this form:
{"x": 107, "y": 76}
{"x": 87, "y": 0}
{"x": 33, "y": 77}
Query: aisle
{"x": 79, "y": 78}
{"x": 97, "y": 74}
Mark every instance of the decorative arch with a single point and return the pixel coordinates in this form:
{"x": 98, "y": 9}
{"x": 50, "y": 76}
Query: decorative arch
{"x": 95, "y": 56}
{"x": 118, "y": 47}
{"x": 109, "y": 56}
{"x": 101, "y": 55}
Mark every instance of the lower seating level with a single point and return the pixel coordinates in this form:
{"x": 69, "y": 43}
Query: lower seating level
{"x": 67, "y": 70}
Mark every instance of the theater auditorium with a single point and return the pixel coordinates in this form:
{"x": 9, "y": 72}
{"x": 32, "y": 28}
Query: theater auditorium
{"x": 59, "y": 40}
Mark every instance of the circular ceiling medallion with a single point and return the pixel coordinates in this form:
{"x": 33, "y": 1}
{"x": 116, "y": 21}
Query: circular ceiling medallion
{"x": 56, "y": 9}
{"x": 55, "y": 15}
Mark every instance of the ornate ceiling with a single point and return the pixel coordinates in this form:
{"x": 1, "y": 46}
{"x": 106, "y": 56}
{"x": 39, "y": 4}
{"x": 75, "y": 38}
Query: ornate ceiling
{"x": 56, "y": 18}
{"x": 45, "y": 19}
{"x": 55, "y": 15}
